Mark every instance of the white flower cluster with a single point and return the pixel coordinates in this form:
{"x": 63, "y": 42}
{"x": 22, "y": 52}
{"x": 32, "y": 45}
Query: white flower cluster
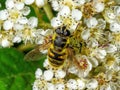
{"x": 95, "y": 25}
{"x": 14, "y": 24}
{"x": 95, "y": 39}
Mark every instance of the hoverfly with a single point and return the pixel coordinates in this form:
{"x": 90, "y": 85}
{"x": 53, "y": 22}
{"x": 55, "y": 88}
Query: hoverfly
{"x": 59, "y": 49}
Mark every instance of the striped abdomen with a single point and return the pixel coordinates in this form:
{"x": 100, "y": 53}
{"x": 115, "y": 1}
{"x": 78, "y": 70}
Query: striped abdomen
{"x": 57, "y": 53}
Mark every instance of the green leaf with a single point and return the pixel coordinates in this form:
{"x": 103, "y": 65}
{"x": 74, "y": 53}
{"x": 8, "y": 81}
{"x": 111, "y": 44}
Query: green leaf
{"x": 15, "y": 73}
{"x": 2, "y": 2}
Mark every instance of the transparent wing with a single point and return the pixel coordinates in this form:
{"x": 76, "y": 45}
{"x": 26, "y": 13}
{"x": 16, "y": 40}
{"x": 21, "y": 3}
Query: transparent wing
{"x": 37, "y": 53}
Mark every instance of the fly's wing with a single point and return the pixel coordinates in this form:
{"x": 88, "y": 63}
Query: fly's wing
{"x": 37, "y": 53}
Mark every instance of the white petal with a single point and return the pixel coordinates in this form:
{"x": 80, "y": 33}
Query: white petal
{"x": 17, "y": 39}
{"x": 85, "y": 34}
{"x": 59, "y": 87}
{"x": 9, "y": 4}
{"x": 111, "y": 48}
{"x": 56, "y": 22}
{"x": 19, "y": 5}
{"x": 111, "y": 15}
{"x": 60, "y": 74}
{"x": 7, "y": 25}
{"x": 4, "y": 14}
{"x": 55, "y": 5}
{"x": 79, "y": 2}
{"x": 18, "y": 26}
{"x": 48, "y": 75}
{"x": 46, "y": 63}
{"x": 23, "y": 20}
{"x": 33, "y": 22}
{"x": 73, "y": 70}
{"x": 81, "y": 84}
{"x": 65, "y": 11}
{"x": 38, "y": 73}
{"x": 73, "y": 27}
{"x": 101, "y": 54}
{"x": 28, "y": 2}
{"x": 50, "y": 86}
{"x": 26, "y": 10}
{"x": 39, "y": 3}
{"x": 92, "y": 42}
{"x": 99, "y": 7}
{"x": 92, "y": 84}
{"x": 92, "y": 22}
{"x": 94, "y": 62}
{"x": 115, "y": 27}
{"x": 72, "y": 84}
{"x": 76, "y": 14}
{"x": 5, "y": 43}
{"x": 117, "y": 10}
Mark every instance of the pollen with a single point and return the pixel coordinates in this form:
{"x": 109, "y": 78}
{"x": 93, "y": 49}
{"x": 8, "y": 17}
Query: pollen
{"x": 14, "y": 14}
{"x": 83, "y": 64}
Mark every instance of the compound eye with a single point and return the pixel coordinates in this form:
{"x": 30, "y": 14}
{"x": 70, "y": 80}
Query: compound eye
{"x": 67, "y": 33}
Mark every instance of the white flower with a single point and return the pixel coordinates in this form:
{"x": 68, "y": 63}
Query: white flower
{"x": 76, "y": 14}
{"x": 59, "y": 87}
{"x": 25, "y": 11}
{"x": 56, "y": 22}
{"x": 7, "y": 25}
{"x": 92, "y": 84}
{"x": 33, "y": 22}
{"x": 81, "y": 84}
{"x": 60, "y": 74}
{"x": 65, "y": 11}
{"x": 39, "y": 3}
{"x": 84, "y": 65}
{"x": 48, "y": 75}
{"x": 55, "y": 5}
{"x": 111, "y": 48}
{"x": 9, "y": 4}
{"x": 117, "y": 10}
{"x": 5, "y": 42}
{"x": 4, "y": 14}
{"x": 85, "y": 34}
{"x": 19, "y": 5}
{"x": 28, "y": 2}
{"x": 115, "y": 27}
{"x": 99, "y": 7}
{"x": 16, "y": 39}
{"x": 91, "y": 22}
{"x": 72, "y": 84}
{"x": 38, "y": 73}
{"x": 50, "y": 86}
